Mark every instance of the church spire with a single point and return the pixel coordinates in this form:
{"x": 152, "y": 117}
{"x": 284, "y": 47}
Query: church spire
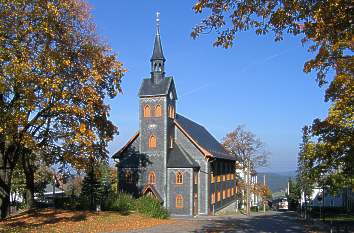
{"x": 157, "y": 60}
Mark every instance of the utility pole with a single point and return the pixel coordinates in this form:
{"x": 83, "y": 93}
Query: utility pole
{"x": 248, "y": 187}
{"x": 264, "y": 198}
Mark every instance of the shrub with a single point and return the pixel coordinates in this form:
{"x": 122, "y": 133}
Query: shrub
{"x": 121, "y": 202}
{"x": 151, "y": 207}
{"x": 67, "y": 203}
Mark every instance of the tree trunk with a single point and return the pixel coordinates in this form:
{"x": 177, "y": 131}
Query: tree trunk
{"x": 5, "y": 186}
{"x": 8, "y": 159}
{"x": 28, "y": 169}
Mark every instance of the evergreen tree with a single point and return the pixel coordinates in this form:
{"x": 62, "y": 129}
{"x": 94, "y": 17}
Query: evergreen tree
{"x": 96, "y": 185}
{"x": 294, "y": 194}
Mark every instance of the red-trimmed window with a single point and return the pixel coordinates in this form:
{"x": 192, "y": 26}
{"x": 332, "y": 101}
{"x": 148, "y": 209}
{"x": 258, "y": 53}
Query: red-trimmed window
{"x": 147, "y": 111}
{"x": 158, "y": 111}
{"x": 179, "y": 201}
{"x": 152, "y": 141}
{"x": 152, "y": 178}
{"x": 179, "y": 178}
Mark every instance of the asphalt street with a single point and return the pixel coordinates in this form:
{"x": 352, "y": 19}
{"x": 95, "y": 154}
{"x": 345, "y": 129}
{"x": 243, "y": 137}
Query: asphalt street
{"x": 270, "y": 222}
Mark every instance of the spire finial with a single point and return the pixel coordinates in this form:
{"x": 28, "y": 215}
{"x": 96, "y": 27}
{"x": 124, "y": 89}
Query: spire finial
{"x": 158, "y": 23}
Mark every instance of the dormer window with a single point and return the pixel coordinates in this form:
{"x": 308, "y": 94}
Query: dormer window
{"x": 147, "y": 111}
{"x": 152, "y": 142}
{"x": 158, "y": 111}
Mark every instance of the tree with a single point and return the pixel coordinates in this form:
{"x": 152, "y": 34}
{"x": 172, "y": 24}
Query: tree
{"x": 96, "y": 184}
{"x": 294, "y": 194}
{"x": 55, "y": 73}
{"x": 250, "y": 152}
{"x": 18, "y": 185}
{"x": 327, "y": 25}
{"x": 305, "y": 178}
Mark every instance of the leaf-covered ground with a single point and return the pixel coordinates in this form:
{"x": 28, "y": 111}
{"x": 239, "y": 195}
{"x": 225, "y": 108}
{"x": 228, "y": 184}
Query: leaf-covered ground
{"x": 49, "y": 220}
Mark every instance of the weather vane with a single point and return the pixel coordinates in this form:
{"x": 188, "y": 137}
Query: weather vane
{"x": 158, "y": 22}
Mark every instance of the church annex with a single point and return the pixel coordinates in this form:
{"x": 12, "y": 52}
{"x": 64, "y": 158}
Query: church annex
{"x": 171, "y": 157}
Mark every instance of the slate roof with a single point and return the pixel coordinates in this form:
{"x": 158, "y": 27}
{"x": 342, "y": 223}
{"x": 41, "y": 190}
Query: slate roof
{"x": 149, "y": 88}
{"x": 179, "y": 158}
{"x": 203, "y": 138}
{"x": 157, "y": 54}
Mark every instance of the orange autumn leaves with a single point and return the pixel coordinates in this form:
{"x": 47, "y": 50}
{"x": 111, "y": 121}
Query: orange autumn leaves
{"x": 55, "y": 74}
{"x": 63, "y": 221}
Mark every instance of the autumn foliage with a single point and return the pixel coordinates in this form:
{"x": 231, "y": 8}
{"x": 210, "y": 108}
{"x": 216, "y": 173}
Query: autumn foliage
{"x": 55, "y": 74}
{"x": 326, "y": 26}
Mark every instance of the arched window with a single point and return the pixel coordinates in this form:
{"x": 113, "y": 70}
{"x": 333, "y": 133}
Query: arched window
{"x": 152, "y": 141}
{"x": 171, "y": 142}
{"x": 179, "y": 178}
{"x": 151, "y": 178}
{"x": 171, "y": 112}
{"x": 147, "y": 112}
{"x": 179, "y": 201}
{"x": 128, "y": 177}
{"x": 158, "y": 111}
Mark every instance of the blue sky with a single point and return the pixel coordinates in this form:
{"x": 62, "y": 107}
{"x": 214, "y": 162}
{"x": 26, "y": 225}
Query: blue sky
{"x": 258, "y": 82}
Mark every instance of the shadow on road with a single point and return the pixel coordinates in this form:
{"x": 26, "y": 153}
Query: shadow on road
{"x": 278, "y": 222}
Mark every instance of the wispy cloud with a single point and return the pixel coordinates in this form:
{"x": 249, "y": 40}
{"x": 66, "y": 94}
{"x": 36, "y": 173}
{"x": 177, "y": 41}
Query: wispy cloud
{"x": 263, "y": 61}
{"x": 195, "y": 90}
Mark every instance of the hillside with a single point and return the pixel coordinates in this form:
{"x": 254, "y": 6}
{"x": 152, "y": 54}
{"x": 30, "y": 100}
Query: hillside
{"x": 276, "y": 181}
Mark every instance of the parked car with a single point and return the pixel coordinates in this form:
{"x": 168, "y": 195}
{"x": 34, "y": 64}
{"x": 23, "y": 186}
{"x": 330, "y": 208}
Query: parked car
{"x": 283, "y": 204}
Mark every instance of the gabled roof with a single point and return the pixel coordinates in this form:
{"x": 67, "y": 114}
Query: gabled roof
{"x": 179, "y": 158}
{"x": 126, "y": 145}
{"x": 151, "y": 188}
{"x": 202, "y": 139}
{"x": 149, "y": 88}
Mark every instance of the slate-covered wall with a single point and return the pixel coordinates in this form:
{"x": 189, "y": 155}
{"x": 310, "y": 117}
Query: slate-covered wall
{"x": 132, "y": 161}
{"x": 184, "y": 189}
{"x": 156, "y": 126}
{"x": 203, "y": 185}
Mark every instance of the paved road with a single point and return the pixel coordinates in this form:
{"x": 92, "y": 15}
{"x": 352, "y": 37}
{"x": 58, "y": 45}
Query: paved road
{"x": 271, "y": 222}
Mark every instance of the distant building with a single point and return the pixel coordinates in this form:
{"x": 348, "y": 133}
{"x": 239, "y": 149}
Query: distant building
{"x": 242, "y": 174}
{"x": 49, "y": 192}
{"x": 342, "y": 199}
{"x": 171, "y": 157}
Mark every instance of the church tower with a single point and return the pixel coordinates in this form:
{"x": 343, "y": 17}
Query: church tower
{"x": 157, "y": 97}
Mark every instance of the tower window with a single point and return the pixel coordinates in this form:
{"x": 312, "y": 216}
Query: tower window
{"x": 171, "y": 142}
{"x": 158, "y": 111}
{"x": 147, "y": 111}
{"x": 152, "y": 141}
{"x": 179, "y": 178}
{"x": 179, "y": 201}
{"x": 171, "y": 112}
{"x": 151, "y": 178}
